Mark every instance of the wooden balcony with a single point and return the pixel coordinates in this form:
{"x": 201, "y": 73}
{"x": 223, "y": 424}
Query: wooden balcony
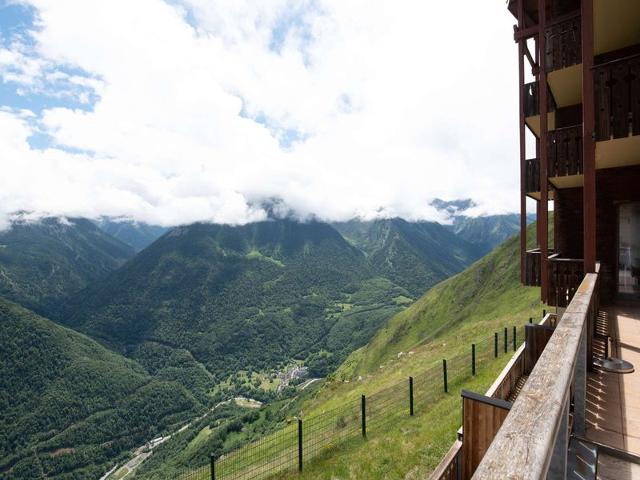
{"x": 564, "y": 42}
{"x": 532, "y": 99}
{"x": 532, "y": 175}
{"x": 564, "y": 151}
{"x": 565, "y": 276}
{"x": 532, "y": 271}
{"x": 617, "y": 98}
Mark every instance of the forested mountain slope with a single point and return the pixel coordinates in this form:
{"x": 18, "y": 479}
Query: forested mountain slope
{"x": 69, "y": 406}
{"x": 44, "y": 261}
{"x": 414, "y": 255}
{"x": 243, "y": 297}
{"x": 467, "y": 308}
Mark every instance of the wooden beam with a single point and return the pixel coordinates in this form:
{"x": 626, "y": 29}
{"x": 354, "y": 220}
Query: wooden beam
{"x": 534, "y": 64}
{"x": 543, "y": 219}
{"x": 523, "y": 153}
{"x": 524, "y": 33}
{"x": 588, "y": 139}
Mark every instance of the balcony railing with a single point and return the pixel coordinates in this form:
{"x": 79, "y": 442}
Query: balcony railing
{"x": 533, "y": 441}
{"x": 532, "y": 99}
{"x": 617, "y": 98}
{"x": 532, "y": 175}
{"x": 565, "y": 276}
{"x": 564, "y": 151}
{"x": 563, "y": 42}
{"x": 532, "y": 270}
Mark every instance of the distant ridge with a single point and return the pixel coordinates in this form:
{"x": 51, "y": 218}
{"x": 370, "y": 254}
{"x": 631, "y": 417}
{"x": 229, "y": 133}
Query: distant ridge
{"x": 42, "y": 262}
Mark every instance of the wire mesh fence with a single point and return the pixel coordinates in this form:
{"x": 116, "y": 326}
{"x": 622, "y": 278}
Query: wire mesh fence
{"x": 305, "y": 438}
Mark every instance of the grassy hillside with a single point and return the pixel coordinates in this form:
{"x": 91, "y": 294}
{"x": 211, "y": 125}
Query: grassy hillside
{"x": 42, "y": 262}
{"x": 462, "y": 310}
{"x": 68, "y": 406}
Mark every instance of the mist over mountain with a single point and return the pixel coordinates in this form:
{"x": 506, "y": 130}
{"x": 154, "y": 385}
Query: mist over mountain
{"x": 138, "y": 235}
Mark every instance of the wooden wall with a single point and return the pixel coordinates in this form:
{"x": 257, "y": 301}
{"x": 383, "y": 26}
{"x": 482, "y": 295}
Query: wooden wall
{"x": 482, "y": 418}
{"x": 568, "y": 222}
{"x": 613, "y": 187}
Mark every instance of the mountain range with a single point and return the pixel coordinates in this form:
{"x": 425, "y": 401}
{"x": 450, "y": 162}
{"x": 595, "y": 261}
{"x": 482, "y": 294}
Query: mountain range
{"x": 181, "y": 321}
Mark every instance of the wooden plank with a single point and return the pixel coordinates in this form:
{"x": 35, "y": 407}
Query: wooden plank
{"x": 634, "y": 100}
{"x": 482, "y": 418}
{"x": 536, "y": 339}
{"x": 602, "y": 103}
{"x": 447, "y": 469}
{"x": 620, "y": 99}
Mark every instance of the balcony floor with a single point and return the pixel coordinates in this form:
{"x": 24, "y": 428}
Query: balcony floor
{"x": 613, "y": 400}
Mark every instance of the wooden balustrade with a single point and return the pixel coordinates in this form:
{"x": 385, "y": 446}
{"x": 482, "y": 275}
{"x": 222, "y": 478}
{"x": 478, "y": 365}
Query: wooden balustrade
{"x": 563, "y": 42}
{"x": 565, "y": 275}
{"x": 533, "y": 441}
{"x": 450, "y": 468}
{"x": 617, "y": 98}
{"x": 532, "y": 175}
{"x": 532, "y": 99}
{"x": 564, "y": 151}
{"x": 532, "y": 268}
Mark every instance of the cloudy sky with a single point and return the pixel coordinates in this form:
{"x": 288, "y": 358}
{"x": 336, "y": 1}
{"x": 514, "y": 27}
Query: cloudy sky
{"x": 182, "y": 110}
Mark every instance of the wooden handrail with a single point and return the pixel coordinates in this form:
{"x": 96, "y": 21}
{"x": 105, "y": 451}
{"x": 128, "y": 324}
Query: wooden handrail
{"x": 525, "y": 444}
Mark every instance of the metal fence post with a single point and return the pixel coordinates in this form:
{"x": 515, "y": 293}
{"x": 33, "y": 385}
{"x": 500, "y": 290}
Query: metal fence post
{"x": 363, "y": 406}
{"x": 515, "y": 340}
{"x": 473, "y": 359}
{"x": 530, "y": 319}
{"x": 544, "y": 313}
{"x": 506, "y": 332}
{"x": 495, "y": 345}
{"x": 299, "y": 444}
{"x": 444, "y": 372}
{"x": 411, "y": 396}
{"x": 212, "y": 468}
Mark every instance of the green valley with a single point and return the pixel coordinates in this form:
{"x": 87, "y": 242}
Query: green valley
{"x": 464, "y": 309}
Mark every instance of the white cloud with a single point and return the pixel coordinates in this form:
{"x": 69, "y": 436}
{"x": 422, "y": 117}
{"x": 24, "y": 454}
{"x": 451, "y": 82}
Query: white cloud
{"x": 386, "y": 105}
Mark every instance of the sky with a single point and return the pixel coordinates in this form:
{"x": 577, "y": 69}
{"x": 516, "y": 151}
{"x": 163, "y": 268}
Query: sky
{"x": 177, "y": 111}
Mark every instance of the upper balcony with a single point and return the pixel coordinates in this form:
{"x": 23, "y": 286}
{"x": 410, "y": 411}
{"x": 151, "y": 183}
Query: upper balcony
{"x": 565, "y": 275}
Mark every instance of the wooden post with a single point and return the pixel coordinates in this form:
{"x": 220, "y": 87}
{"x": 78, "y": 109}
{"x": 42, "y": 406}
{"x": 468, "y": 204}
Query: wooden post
{"x": 523, "y": 154}
{"x": 473, "y": 359}
{"x": 506, "y": 333}
{"x": 588, "y": 139}
{"x": 363, "y": 408}
{"x": 411, "y": 396}
{"x": 444, "y": 375}
{"x": 544, "y": 184}
{"x": 299, "y": 444}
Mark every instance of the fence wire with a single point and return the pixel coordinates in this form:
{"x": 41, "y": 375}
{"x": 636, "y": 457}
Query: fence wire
{"x": 303, "y": 439}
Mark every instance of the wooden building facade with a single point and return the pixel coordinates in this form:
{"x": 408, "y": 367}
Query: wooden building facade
{"x": 586, "y": 126}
